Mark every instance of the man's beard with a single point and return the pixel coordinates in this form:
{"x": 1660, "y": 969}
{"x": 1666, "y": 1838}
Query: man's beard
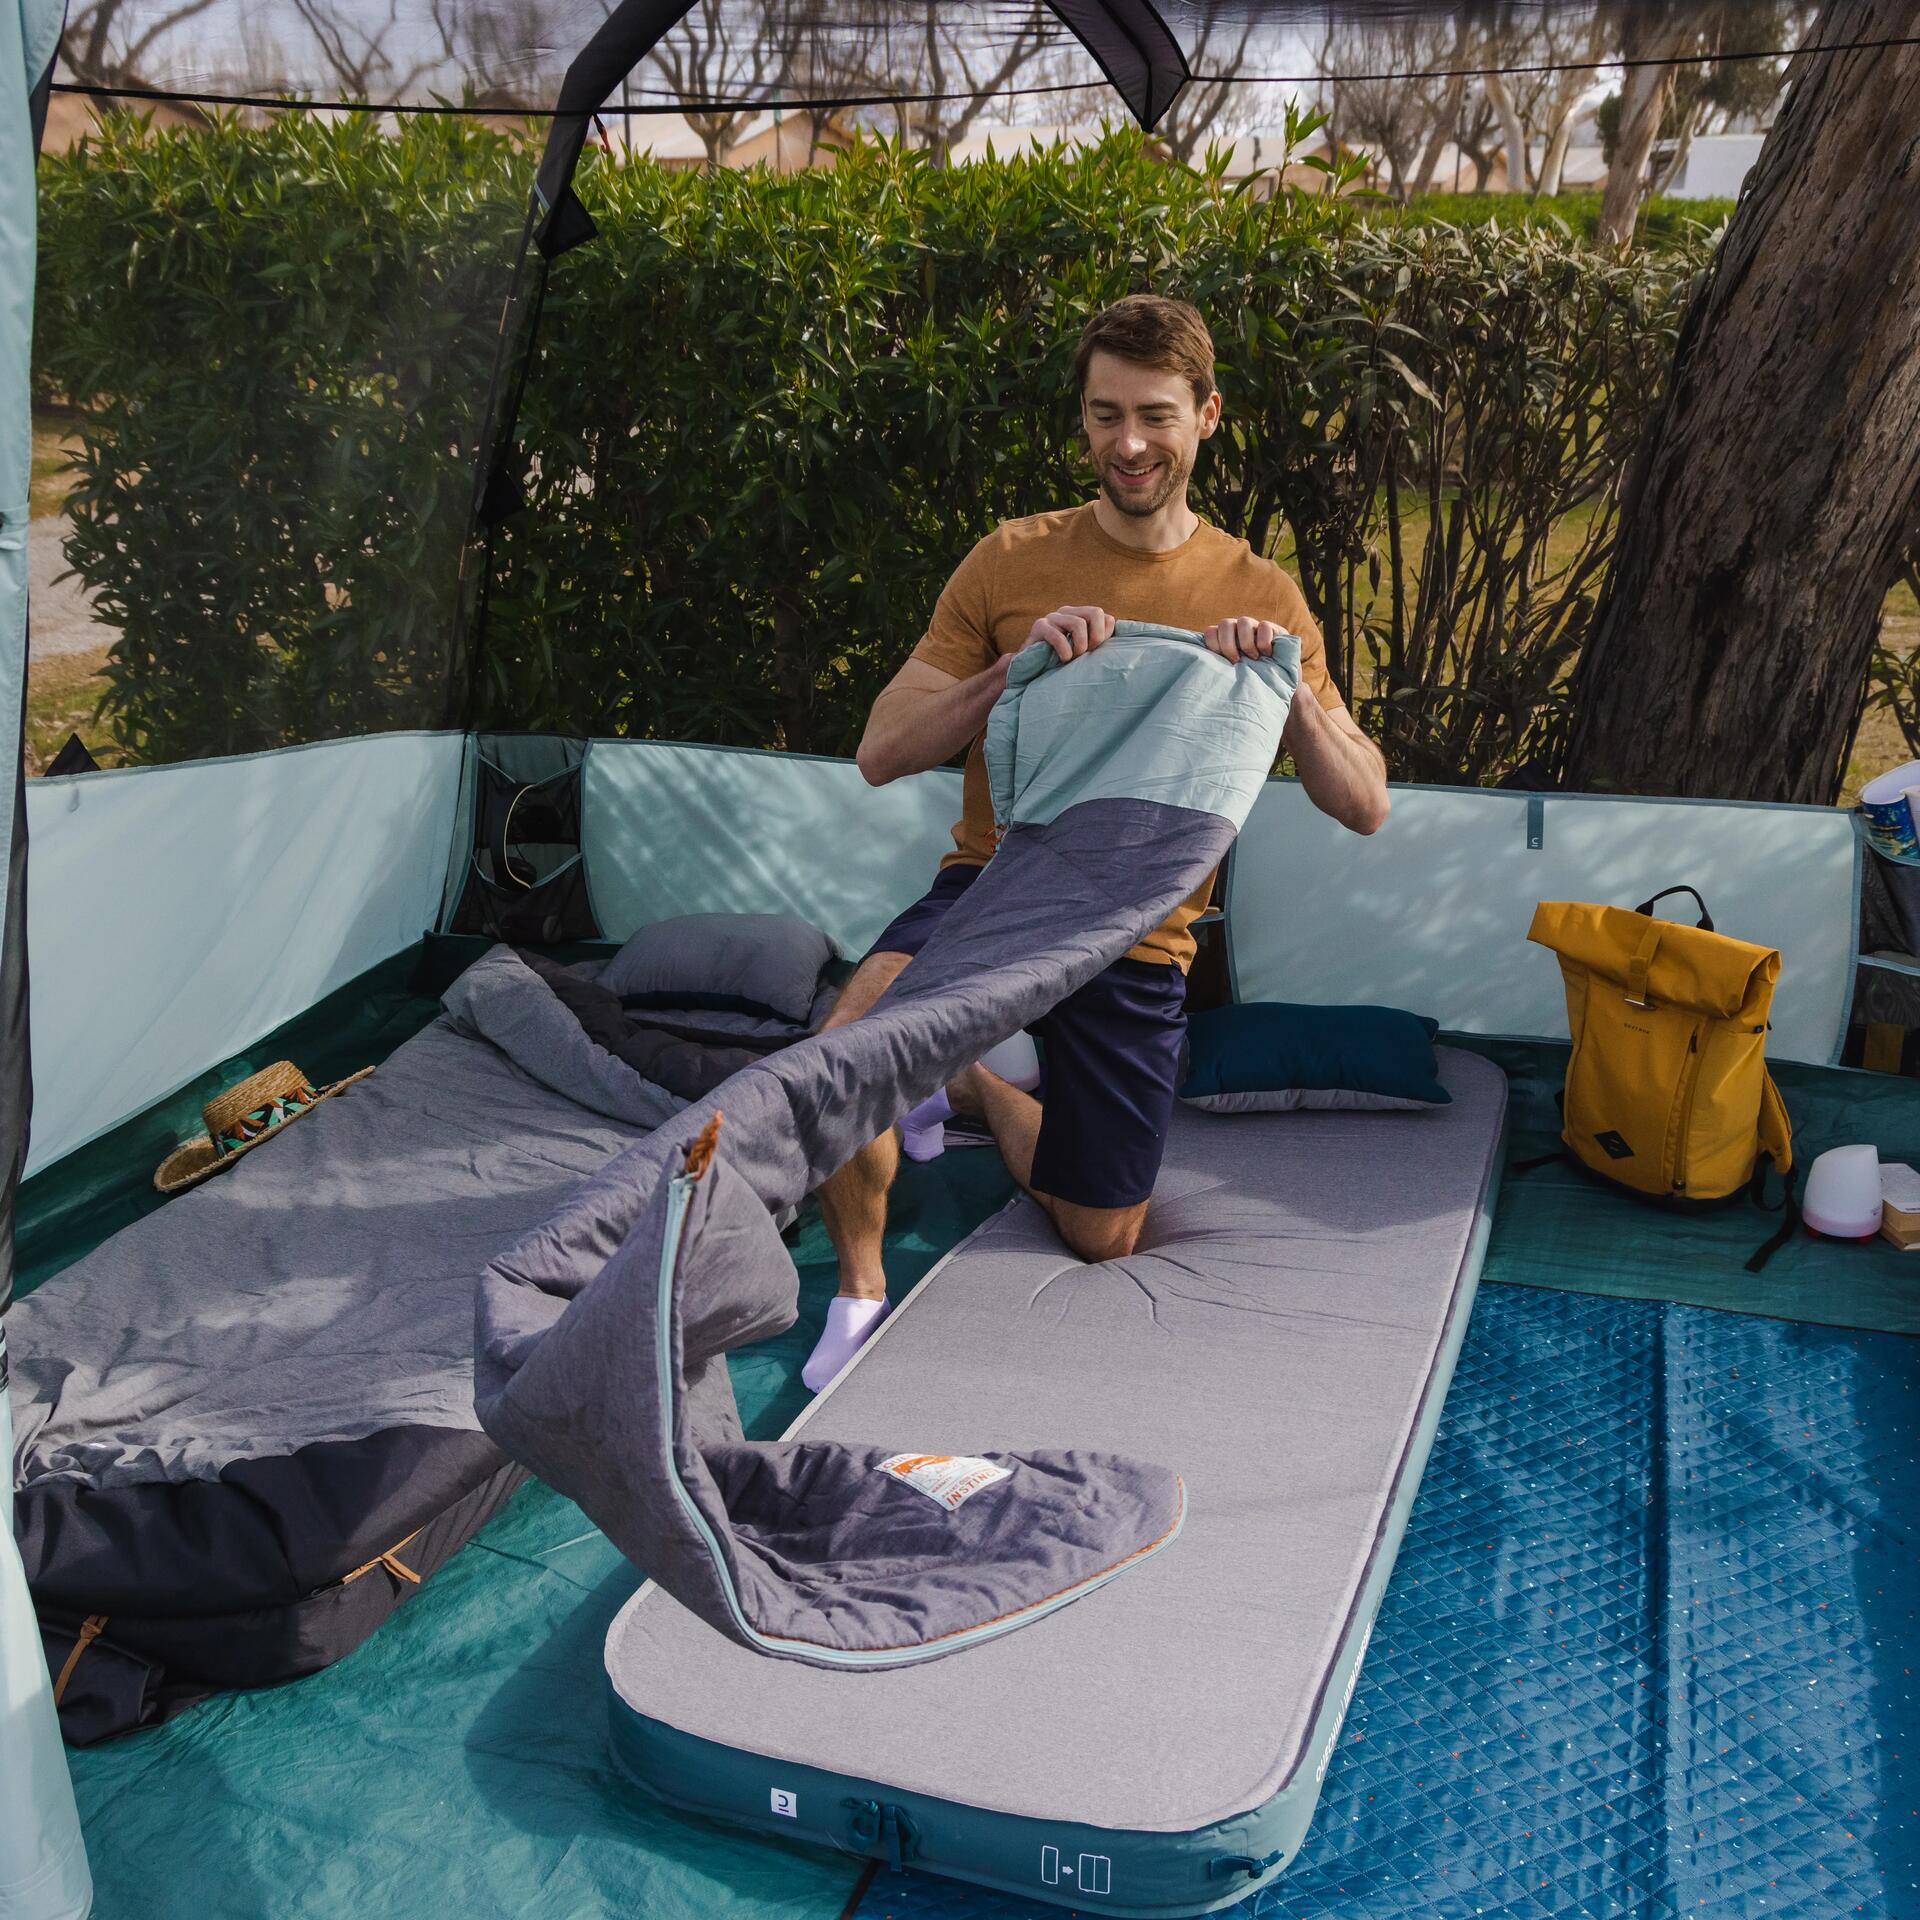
{"x": 1137, "y": 505}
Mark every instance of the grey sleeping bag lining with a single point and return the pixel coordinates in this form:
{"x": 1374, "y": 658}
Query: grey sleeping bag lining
{"x": 1118, "y": 783}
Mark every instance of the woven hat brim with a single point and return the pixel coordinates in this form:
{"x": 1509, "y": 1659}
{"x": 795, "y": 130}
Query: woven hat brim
{"x": 189, "y": 1164}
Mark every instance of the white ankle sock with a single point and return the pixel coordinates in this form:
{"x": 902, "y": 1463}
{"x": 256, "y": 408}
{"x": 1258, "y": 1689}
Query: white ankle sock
{"x": 923, "y": 1133}
{"x": 850, "y": 1324}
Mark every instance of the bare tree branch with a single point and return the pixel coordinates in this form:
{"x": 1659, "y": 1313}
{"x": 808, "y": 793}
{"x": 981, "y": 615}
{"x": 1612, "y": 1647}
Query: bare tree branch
{"x": 709, "y": 56}
{"x": 358, "y": 53}
{"x": 1215, "y": 108}
{"x": 90, "y": 52}
{"x": 1398, "y": 119}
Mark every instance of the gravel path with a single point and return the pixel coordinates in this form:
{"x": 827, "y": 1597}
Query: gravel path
{"x": 60, "y": 612}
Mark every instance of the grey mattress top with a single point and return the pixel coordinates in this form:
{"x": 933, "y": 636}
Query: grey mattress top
{"x": 1272, "y": 1340}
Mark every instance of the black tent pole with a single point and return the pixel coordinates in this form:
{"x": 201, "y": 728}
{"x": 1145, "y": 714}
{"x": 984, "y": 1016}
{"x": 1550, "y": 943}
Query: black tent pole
{"x": 555, "y": 221}
{"x": 1134, "y": 47}
{"x": 1132, "y": 44}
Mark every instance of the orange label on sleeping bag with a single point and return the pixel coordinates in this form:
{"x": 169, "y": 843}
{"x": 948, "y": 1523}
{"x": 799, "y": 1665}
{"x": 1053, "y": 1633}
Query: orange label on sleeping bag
{"x": 949, "y": 1480}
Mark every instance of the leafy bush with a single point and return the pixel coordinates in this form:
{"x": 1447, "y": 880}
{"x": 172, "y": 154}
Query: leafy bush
{"x": 279, "y": 339}
{"x": 768, "y": 416}
{"x": 1664, "y": 221}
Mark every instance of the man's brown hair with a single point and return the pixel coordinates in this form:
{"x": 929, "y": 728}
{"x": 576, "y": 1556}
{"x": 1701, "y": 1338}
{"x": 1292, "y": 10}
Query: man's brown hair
{"x": 1151, "y": 331}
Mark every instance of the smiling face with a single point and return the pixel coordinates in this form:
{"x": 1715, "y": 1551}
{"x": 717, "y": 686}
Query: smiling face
{"x": 1144, "y": 427}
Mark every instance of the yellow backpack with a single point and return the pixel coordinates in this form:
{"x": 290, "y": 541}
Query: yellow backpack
{"x": 1667, "y": 1091}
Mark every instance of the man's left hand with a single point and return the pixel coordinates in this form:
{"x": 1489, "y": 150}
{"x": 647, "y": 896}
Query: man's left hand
{"x": 1241, "y": 639}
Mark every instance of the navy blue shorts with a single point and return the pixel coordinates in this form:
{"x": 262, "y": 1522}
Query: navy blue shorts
{"x": 1112, "y": 1064}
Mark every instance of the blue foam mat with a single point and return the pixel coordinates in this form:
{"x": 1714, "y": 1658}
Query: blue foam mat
{"x": 1650, "y": 1649}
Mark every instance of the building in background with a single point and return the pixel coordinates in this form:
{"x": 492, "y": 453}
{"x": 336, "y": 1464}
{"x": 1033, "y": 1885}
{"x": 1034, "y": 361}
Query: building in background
{"x": 1715, "y": 165}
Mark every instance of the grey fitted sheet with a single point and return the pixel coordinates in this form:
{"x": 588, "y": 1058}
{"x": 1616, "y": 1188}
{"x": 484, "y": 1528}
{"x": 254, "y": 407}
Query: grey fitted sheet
{"x": 1273, "y": 1340}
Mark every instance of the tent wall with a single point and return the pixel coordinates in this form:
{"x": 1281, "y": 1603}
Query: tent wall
{"x": 29, "y": 39}
{"x": 180, "y": 912}
{"x": 1432, "y": 912}
{"x": 684, "y": 829}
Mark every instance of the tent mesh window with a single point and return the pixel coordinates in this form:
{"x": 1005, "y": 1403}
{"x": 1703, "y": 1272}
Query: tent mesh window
{"x": 526, "y": 877}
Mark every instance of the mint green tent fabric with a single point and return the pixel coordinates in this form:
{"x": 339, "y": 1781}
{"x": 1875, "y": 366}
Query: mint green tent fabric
{"x": 43, "y": 1867}
{"x": 29, "y": 32}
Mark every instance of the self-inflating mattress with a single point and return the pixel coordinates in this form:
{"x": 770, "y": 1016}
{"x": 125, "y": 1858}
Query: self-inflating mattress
{"x": 1283, "y": 1339}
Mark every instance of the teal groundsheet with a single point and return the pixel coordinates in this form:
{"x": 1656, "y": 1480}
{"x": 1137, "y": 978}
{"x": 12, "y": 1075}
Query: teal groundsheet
{"x": 456, "y": 1765}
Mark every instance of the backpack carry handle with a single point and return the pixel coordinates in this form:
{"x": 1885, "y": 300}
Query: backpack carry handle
{"x": 1706, "y": 919}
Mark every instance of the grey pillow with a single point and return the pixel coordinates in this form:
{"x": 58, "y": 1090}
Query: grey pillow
{"x": 750, "y": 963}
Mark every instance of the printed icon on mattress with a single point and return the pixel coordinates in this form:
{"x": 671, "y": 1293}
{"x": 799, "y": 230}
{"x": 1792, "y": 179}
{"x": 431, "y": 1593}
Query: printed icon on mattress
{"x": 1092, "y": 1873}
{"x": 949, "y": 1480}
{"x": 786, "y": 1803}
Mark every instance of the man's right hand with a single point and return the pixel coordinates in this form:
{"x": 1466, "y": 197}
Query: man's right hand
{"x": 1072, "y": 631}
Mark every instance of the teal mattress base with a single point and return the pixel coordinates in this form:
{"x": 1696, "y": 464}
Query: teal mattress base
{"x": 1111, "y": 1870}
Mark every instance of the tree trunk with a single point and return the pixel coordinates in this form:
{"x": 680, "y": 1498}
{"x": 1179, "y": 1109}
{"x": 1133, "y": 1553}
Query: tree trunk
{"x": 1553, "y": 163}
{"x": 1643, "y": 104}
{"x": 1500, "y": 95}
{"x": 1676, "y": 162}
{"x": 719, "y": 133}
{"x": 1442, "y": 131}
{"x": 1765, "y": 511}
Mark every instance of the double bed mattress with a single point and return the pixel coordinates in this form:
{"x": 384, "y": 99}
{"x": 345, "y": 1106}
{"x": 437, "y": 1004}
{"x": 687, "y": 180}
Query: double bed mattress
{"x": 1283, "y": 1338}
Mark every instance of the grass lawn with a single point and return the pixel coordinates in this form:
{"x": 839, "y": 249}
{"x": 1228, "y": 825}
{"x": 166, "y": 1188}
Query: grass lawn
{"x": 61, "y": 696}
{"x": 1880, "y": 744}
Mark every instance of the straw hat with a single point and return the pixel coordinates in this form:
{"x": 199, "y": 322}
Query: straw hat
{"x": 242, "y": 1117}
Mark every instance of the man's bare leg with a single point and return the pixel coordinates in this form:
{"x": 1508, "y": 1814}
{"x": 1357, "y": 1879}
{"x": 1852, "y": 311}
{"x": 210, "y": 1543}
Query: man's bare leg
{"x": 853, "y": 1201}
{"x": 1013, "y": 1118}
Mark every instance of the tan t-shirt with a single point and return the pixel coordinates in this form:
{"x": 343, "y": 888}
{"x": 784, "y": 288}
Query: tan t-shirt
{"x": 1026, "y": 568}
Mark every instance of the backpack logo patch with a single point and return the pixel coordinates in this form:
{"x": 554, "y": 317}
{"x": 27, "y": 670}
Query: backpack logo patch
{"x": 1614, "y": 1147}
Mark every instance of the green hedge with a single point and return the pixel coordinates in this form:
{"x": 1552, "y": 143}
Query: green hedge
{"x": 768, "y": 416}
{"x": 1664, "y": 221}
{"x": 276, "y": 339}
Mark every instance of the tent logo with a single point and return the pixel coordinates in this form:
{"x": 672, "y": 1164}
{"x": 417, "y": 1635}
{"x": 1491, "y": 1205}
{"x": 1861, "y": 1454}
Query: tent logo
{"x": 786, "y": 1803}
{"x": 1616, "y": 1148}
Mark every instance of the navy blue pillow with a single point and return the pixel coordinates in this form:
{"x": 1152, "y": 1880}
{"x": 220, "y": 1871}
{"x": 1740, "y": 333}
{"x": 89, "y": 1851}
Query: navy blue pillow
{"x": 1270, "y": 1056}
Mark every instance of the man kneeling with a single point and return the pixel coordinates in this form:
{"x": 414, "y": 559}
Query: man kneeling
{"x": 1136, "y": 551}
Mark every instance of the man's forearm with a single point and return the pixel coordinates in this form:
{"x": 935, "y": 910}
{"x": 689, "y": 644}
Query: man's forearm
{"x": 1343, "y": 773}
{"x": 914, "y": 728}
